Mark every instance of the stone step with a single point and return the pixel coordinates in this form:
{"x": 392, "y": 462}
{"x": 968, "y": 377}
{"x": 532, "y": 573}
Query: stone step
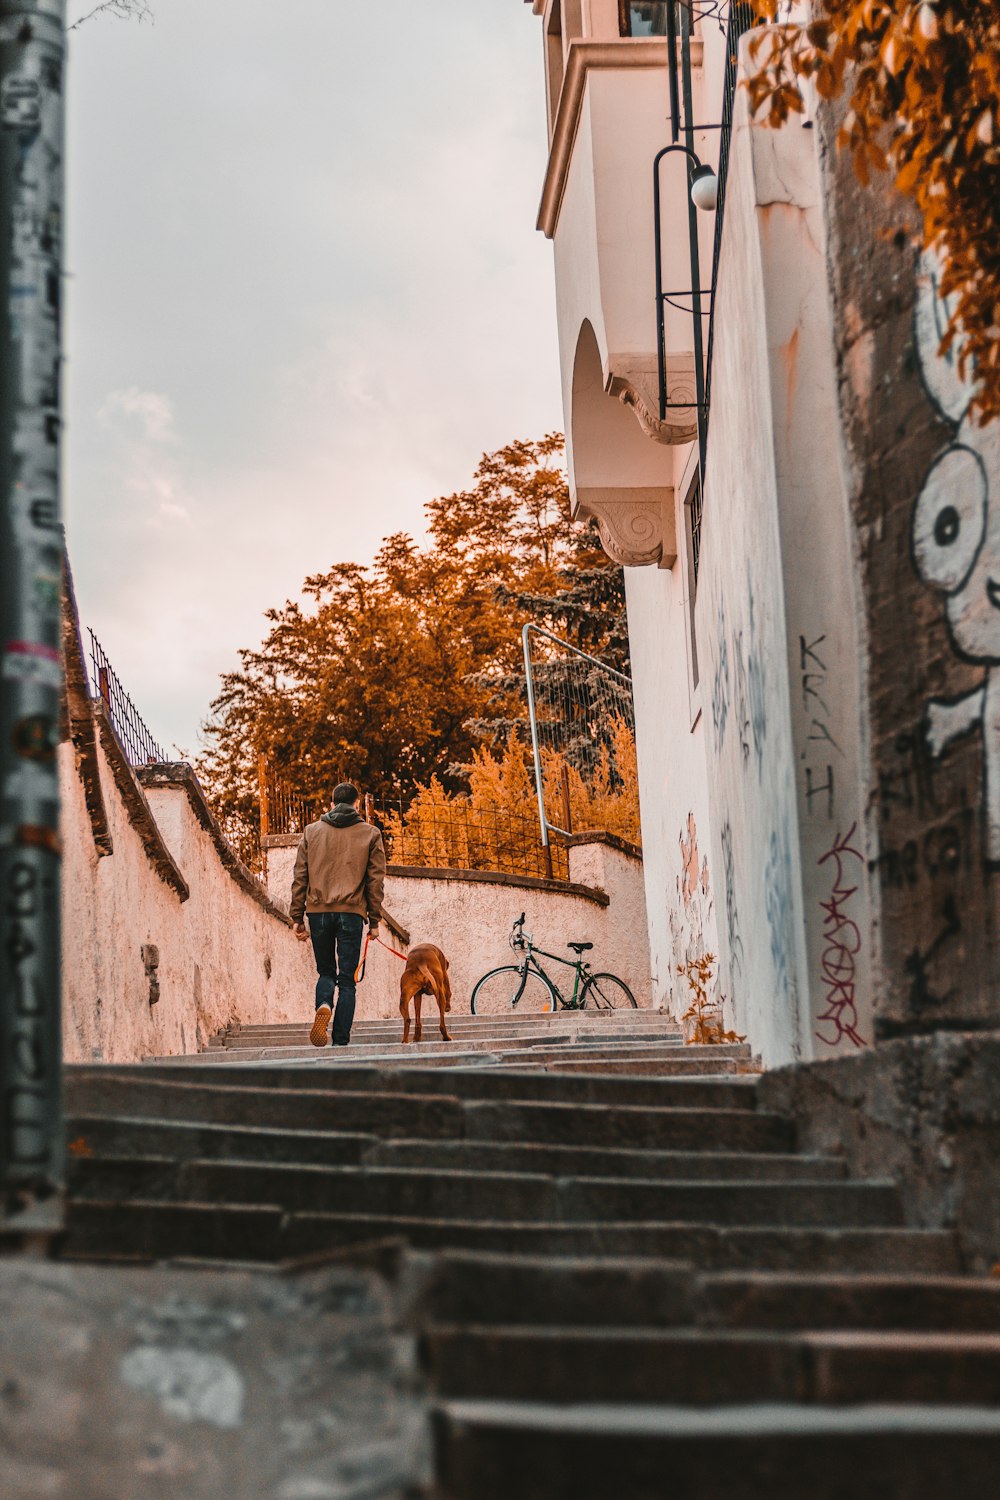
{"x": 461, "y": 1286}
{"x": 696, "y": 1367}
{"x": 596, "y": 1020}
{"x": 298, "y": 1036}
{"x": 430, "y": 1116}
{"x": 103, "y": 1135}
{"x": 652, "y": 1063}
{"x": 162, "y": 1231}
{"x": 592, "y": 1161}
{"x": 480, "y": 1083}
{"x": 183, "y": 1140}
{"x": 425, "y": 1192}
{"x": 494, "y": 1450}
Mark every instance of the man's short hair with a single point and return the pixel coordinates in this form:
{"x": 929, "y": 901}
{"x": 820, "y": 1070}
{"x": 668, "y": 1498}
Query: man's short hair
{"x": 345, "y": 792}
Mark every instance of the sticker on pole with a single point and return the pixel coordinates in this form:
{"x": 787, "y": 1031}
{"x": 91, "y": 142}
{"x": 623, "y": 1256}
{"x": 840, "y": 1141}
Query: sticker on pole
{"x": 29, "y": 661}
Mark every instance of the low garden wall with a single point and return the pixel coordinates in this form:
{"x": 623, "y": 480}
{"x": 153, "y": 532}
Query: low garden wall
{"x": 469, "y": 914}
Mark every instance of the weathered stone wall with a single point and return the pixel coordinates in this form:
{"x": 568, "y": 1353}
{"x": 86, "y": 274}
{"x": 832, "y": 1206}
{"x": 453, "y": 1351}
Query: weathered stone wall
{"x": 162, "y": 943}
{"x": 141, "y": 1384}
{"x": 924, "y": 501}
{"x": 469, "y": 915}
{"x": 924, "y": 1111}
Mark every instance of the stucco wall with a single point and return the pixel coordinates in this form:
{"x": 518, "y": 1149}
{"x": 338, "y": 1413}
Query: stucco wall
{"x": 470, "y": 917}
{"x": 221, "y": 955}
{"x": 776, "y": 621}
{"x": 673, "y": 793}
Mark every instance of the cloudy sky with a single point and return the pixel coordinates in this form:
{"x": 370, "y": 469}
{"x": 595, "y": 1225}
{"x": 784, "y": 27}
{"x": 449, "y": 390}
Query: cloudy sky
{"x": 305, "y": 293}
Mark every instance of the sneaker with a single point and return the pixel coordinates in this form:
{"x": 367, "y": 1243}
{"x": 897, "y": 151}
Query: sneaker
{"x": 320, "y": 1026}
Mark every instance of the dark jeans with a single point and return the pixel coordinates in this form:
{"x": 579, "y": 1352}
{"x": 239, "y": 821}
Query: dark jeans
{"x": 336, "y": 939}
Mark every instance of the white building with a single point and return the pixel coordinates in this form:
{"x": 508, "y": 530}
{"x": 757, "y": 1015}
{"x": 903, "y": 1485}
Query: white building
{"x": 766, "y": 721}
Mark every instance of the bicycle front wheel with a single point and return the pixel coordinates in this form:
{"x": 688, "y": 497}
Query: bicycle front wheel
{"x": 507, "y": 989}
{"x": 608, "y": 992}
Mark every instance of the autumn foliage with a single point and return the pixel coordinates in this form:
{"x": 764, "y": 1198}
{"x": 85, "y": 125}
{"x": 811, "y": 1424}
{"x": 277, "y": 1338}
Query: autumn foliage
{"x": 495, "y": 826}
{"x": 393, "y": 675}
{"x": 703, "y": 1020}
{"x": 923, "y": 85}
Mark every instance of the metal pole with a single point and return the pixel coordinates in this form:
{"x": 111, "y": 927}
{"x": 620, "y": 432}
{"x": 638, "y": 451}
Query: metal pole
{"x": 675, "y": 124}
{"x": 535, "y": 749}
{"x": 699, "y": 353}
{"x": 32, "y": 54}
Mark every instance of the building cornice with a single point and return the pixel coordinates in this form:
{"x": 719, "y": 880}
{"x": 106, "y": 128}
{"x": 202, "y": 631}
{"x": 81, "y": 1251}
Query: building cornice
{"x": 619, "y": 55}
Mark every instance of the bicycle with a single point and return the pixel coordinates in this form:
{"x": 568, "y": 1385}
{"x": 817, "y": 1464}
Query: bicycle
{"x": 525, "y": 986}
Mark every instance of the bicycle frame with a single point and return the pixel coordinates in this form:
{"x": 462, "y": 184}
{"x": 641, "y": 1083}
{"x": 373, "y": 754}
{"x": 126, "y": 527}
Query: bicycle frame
{"x": 578, "y": 965}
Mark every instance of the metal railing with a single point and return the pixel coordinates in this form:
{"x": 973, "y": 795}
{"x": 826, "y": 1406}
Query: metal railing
{"x": 282, "y": 811}
{"x": 458, "y": 835}
{"x": 125, "y": 719}
{"x": 734, "y": 17}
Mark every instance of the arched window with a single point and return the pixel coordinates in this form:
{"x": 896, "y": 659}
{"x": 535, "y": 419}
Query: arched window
{"x": 643, "y": 17}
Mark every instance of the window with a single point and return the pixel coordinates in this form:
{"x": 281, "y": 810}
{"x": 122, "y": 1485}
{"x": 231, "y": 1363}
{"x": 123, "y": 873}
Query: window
{"x": 643, "y": 17}
{"x": 693, "y": 508}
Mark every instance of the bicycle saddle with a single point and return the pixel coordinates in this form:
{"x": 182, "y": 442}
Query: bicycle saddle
{"x": 580, "y": 947}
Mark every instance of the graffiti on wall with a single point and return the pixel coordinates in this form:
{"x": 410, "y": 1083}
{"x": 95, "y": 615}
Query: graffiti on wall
{"x": 956, "y": 549}
{"x": 821, "y": 746}
{"x": 732, "y": 907}
{"x": 921, "y": 996}
{"x": 720, "y": 682}
{"x": 779, "y": 905}
{"x": 740, "y": 689}
{"x": 838, "y": 1020}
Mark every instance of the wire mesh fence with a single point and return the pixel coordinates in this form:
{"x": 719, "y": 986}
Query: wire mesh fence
{"x": 457, "y": 835}
{"x": 125, "y": 719}
{"x": 583, "y": 737}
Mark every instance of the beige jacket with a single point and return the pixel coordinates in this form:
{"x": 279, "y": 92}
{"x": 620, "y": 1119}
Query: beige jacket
{"x": 340, "y": 866}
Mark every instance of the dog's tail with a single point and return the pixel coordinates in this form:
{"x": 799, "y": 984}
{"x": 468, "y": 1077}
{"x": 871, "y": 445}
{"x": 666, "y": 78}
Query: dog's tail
{"x": 428, "y": 979}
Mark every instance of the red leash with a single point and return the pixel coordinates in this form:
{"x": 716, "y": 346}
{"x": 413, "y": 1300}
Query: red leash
{"x": 359, "y": 972}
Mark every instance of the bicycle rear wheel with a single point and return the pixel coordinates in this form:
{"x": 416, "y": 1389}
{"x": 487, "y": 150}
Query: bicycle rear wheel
{"x": 608, "y": 992}
{"x": 507, "y": 989}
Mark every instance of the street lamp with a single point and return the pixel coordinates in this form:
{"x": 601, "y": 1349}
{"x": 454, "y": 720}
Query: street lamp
{"x": 704, "y": 188}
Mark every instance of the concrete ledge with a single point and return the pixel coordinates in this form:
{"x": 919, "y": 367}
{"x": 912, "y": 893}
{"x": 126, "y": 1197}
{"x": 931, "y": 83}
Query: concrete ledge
{"x": 179, "y": 776}
{"x": 79, "y": 721}
{"x": 495, "y": 877}
{"x": 612, "y": 840}
{"x": 137, "y": 809}
{"x": 925, "y": 1110}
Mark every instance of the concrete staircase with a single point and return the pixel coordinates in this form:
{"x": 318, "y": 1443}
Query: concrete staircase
{"x": 625, "y": 1280}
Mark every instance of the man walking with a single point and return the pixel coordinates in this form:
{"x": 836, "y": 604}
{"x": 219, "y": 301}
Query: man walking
{"x": 339, "y": 881}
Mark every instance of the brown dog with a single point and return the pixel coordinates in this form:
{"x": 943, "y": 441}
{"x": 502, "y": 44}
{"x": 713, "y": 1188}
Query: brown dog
{"x": 426, "y": 973}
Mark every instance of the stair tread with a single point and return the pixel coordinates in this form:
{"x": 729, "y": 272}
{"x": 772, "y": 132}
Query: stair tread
{"x": 735, "y": 1420}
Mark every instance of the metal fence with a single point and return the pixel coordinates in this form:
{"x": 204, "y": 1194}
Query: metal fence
{"x": 580, "y": 710}
{"x": 125, "y": 719}
{"x": 282, "y": 811}
{"x": 458, "y": 835}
